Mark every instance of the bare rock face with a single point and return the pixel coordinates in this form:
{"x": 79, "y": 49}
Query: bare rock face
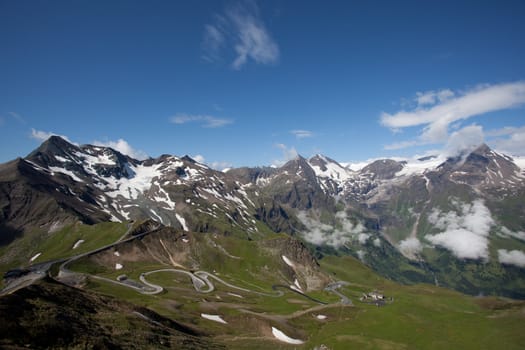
{"x": 61, "y": 183}
{"x": 384, "y": 169}
{"x": 298, "y": 263}
{"x": 482, "y": 168}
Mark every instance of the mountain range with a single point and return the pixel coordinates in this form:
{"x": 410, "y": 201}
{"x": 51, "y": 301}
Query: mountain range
{"x": 457, "y": 222}
{"x": 96, "y": 242}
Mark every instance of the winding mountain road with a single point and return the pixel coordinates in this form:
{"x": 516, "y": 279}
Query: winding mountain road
{"x": 200, "y": 279}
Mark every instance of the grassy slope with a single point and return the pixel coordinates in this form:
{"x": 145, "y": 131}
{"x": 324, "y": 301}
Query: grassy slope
{"x": 61, "y": 243}
{"x": 58, "y": 244}
{"x": 421, "y": 317}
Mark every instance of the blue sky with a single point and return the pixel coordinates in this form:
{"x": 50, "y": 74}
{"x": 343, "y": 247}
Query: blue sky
{"x": 253, "y": 83}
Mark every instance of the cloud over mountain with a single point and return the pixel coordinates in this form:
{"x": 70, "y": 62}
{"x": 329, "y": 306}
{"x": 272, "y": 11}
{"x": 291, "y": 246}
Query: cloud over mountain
{"x": 464, "y": 231}
{"x": 335, "y": 236}
{"x": 436, "y": 111}
{"x": 410, "y": 247}
{"x": 511, "y": 257}
{"x": 42, "y": 136}
{"x": 123, "y": 147}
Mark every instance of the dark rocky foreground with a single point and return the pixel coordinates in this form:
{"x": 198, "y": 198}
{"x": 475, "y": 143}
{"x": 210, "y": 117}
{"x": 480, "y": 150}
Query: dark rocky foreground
{"x": 50, "y": 315}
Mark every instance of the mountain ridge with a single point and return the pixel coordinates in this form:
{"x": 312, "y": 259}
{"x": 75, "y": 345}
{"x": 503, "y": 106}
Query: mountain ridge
{"x": 389, "y": 209}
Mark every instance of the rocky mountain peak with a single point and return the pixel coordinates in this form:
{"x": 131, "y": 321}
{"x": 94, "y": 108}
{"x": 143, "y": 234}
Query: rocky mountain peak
{"x": 54, "y": 146}
{"x": 383, "y": 169}
{"x": 322, "y": 162}
{"x": 481, "y": 167}
{"x": 482, "y": 149}
{"x": 299, "y": 167}
{"x": 187, "y": 158}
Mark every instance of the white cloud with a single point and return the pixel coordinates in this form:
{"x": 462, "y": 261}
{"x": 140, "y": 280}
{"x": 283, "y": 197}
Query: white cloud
{"x": 462, "y": 243}
{"x": 477, "y": 101}
{"x": 240, "y": 28}
{"x": 410, "y": 247}
{"x": 431, "y": 97}
{"x": 361, "y": 255}
{"x": 464, "y": 234}
{"x": 213, "y": 42}
{"x": 120, "y": 145}
{"x": 12, "y": 115}
{"x": 221, "y": 166}
{"x": 511, "y": 257}
{"x": 123, "y": 147}
{"x": 207, "y": 121}
{"x": 509, "y": 140}
{"x": 301, "y": 134}
{"x": 400, "y": 145}
{"x": 323, "y": 234}
{"x": 17, "y": 117}
{"x": 505, "y": 131}
{"x": 42, "y": 136}
{"x": 436, "y": 111}
{"x": 199, "y": 158}
{"x": 362, "y": 238}
{"x": 289, "y": 153}
{"x": 464, "y": 140}
{"x": 505, "y": 232}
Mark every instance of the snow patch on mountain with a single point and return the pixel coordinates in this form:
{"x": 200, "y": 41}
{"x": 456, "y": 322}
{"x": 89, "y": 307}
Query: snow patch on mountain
{"x": 358, "y": 166}
{"x": 157, "y": 216}
{"x": 416, "y": 166}
{"x": 163, "y": 197}
{"x": 37, "y": 167}
{"x": 99, "y": 159}
{"x": 284, "y": 338}
{"x": 69, "y": 173}
{"x": 520, "y": 162}
{"x": 297, "y": 285}
{"x": 182, "y": 221}
{"x": 215, "y": 318}
{"x": 78, "y": 243}
{"x": 35, "y": 257}
{"x": 288, "y": 261}
{"x": 332, "y": 170}
{"x": 132, "y": 188}
{"x": 61, "y": 159}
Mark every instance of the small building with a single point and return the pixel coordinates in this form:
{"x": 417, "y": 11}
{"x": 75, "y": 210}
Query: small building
{"x": 376, "y": 296}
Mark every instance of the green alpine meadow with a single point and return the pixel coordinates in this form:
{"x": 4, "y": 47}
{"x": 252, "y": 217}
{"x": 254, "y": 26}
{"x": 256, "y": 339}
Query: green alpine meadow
{"x": 249, "y": 174}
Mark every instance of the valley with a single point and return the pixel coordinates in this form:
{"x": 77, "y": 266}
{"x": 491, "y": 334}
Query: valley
{"x": 310, "y": 255}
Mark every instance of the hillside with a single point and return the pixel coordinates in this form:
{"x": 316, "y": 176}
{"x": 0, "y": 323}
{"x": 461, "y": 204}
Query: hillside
{"x": 454, "y": 222}
{"x": 310, "y": 254}
{"x": 49, "y": 315}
